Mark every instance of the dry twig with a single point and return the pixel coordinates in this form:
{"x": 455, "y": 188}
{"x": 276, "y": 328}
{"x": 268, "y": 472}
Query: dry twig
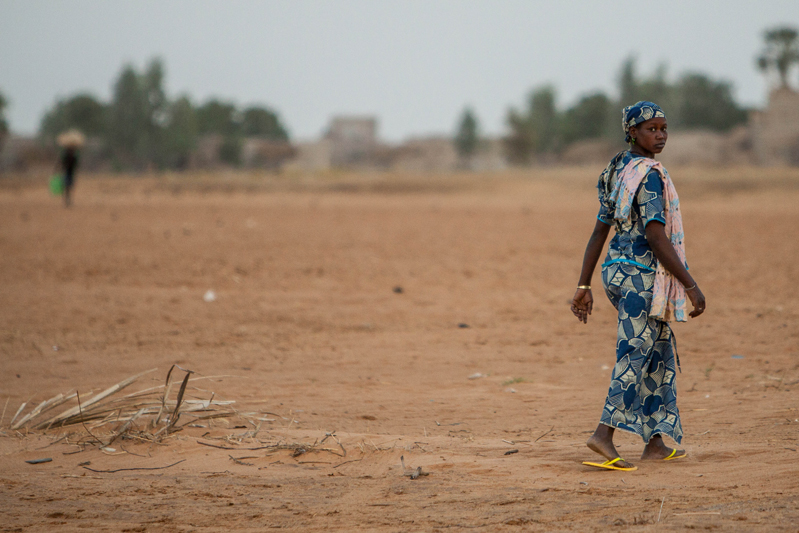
{"x": 125, "y": 469}
{"x": 544, "y": 434}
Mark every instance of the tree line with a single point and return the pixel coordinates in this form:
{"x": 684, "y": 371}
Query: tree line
{"x": 540, "y": 129}
{"x": 141, "y": 127}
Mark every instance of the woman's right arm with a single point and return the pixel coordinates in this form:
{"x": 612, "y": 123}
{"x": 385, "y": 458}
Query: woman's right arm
{"x": 583, "y": 301}
{"x": 667, "y": 255}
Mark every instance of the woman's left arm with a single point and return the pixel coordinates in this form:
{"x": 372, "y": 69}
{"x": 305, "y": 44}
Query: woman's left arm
{"x": 583, "y": 301}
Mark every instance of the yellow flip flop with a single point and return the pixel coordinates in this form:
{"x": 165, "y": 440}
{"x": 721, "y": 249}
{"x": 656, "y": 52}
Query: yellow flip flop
{"x": 609, "y": 465}
{"x": 673, "y": 456}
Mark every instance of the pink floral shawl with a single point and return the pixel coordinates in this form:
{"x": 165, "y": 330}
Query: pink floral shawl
{"x": 668, "y": 295}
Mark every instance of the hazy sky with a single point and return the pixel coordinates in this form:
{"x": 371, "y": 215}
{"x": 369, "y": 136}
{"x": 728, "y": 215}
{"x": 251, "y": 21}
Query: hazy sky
{"x": 413, "y": 63}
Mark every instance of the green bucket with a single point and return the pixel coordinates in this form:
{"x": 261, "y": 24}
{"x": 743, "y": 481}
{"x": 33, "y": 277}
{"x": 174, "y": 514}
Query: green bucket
{"x": 57, "y": 185}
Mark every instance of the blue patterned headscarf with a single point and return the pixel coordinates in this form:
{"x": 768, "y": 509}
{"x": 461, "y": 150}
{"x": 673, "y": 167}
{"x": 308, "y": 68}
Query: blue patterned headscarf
{"x": 632, "y": 115}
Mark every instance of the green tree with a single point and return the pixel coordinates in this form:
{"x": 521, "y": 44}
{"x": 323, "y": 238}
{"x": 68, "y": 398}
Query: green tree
{"x": 181, "y": 132}
{"x": 82, "y": 111}
{"x": 138, "y": 116}
{"x": 264, "y": 123}
{"x": 222, "y": 118}
{"x": 230, "y": 150}
{"x": 543, "y": 116}
{"x": 656, "y": 88}
{"x": 587, "y": 119}
{"x": 632, "y": 89}
{"x": 127, "y": 126}
{"x": 142, "y": 128}
{"x": 781, "y": 52}
{"x": 218, "y": 117}
{"x": 628, "y": 84}
{"x": 535, "y": 131}
{"x": 521, "y": 141}
{"x": 156, "y": 112}
{"x": 705, "y": 103}
{"x": 467, "y": 134}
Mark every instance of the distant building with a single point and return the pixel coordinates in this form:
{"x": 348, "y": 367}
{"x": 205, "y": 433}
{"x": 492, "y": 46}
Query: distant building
{"x": 353, "y": 141}
{"x": 775, "y": 130}
{"x": 311, "y": 156}
{"x": 490, "y": 156}
{"x": 22, "y": 154}
{"x": 265, "y": 153}
{"x": 425, "y": 154}
{"x": 695, "y": 147}
{"x": 206, "y": 154}
{"x": 29, "y": 154}
{"x": 591, "y": 152}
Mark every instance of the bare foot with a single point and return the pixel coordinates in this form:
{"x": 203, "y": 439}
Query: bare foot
{"x": 602, "y": 443}
{"x": 656, "y": 450}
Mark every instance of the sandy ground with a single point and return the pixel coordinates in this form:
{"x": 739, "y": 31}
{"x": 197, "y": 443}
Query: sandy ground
{"x": 307, "y": 326}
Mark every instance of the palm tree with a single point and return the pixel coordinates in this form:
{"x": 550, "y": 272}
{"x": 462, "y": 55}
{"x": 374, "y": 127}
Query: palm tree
{"x": 781, "y": 53}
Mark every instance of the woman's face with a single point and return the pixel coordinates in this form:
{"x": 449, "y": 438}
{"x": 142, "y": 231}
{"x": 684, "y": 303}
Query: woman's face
{"x": 651, "y": 135}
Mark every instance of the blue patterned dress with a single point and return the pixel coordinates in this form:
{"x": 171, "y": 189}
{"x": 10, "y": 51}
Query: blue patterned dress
{"x": 642, "y": 398}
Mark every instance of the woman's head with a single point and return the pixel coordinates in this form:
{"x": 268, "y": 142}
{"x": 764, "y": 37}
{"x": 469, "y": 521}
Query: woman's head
{"x": 645, "y": 127}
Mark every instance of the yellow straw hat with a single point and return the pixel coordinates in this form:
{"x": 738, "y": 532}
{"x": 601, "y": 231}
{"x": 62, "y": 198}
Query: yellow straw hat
{"x": 71, "y": 139}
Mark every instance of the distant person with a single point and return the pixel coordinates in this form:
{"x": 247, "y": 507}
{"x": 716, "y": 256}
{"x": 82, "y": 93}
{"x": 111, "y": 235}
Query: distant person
{"x": 70, "y": 142}
{"x": 646, "y": 279}
{"x": 69, "y": 163}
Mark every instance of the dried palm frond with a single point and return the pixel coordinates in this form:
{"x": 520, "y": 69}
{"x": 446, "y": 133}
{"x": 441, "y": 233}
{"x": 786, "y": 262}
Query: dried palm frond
{"x": 127, "y": 415}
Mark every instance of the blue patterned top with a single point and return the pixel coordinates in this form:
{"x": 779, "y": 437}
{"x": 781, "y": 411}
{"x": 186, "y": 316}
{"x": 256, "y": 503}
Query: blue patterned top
{"x": 629, "y": 245}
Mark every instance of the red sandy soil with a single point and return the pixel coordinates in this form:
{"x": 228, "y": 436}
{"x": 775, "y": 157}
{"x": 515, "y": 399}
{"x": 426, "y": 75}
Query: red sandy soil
{"x": 307, "y": 326}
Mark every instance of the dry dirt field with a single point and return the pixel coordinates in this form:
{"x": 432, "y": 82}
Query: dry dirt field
{"x": 310, "y": 330}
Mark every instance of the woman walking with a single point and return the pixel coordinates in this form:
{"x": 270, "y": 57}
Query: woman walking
{"x": 646, "y": 279}
{"x": 70, "y": 141}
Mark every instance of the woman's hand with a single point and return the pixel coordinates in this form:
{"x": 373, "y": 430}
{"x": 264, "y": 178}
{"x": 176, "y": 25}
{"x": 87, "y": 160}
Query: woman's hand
{"x": 583, "y": 302}
{"x": 697, "y": 300}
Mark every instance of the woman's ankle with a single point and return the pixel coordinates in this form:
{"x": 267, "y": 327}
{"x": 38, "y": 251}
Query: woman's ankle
{"x": 604, "y": 432}
{"x": 655, "y": 443}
